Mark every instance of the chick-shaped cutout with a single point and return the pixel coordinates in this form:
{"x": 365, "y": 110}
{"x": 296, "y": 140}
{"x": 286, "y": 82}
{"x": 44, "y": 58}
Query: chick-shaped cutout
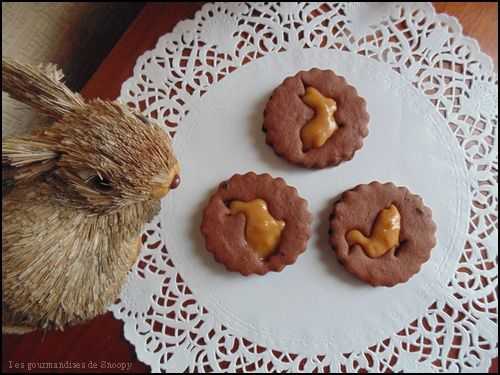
{"x": 316, "y": 132}
{"x": 262, "y": 230}
{"x": 384, "y": 236}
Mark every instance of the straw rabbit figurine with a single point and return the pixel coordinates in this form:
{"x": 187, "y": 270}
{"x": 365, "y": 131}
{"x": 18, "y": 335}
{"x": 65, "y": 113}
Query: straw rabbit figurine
{"x": 83, "y": 189}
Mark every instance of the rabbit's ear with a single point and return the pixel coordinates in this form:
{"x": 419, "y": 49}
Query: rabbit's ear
{"x": 25, "y": 158}
{"x": 40, "y": 87}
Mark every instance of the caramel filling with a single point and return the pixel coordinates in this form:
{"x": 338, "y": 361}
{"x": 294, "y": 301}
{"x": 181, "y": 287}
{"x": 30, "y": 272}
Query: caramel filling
{"x": 262, "y": 231}
{"x": 385, "y": 233}
{"x": 317, "y": 131}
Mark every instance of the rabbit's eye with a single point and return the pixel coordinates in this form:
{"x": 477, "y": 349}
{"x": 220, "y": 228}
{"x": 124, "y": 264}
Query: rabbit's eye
{"x": 100, "y": 183}
{"x": 95, "y": 180}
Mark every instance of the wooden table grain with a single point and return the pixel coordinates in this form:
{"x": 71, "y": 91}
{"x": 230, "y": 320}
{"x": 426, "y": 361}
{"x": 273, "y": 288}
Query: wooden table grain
{"x": 100, "y": 343}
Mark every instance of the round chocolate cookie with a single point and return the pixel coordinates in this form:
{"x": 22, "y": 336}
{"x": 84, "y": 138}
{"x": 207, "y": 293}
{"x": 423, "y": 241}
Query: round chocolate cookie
{"x": 382, "y": 233}
{"x": 256, "y": 224}
{"x": 327, "y": 130}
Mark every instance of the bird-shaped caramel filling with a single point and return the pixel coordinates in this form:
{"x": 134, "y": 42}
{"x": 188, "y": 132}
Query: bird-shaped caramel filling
{"x": 321, "y": 127}
{"x": 384, "y": 236}
{"x": 262, "y": 230}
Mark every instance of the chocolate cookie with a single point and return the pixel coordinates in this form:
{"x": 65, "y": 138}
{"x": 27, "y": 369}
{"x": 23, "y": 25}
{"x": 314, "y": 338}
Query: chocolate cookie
{"x": 315, "y": 119}
{"x": 382, "y": 233}
{"x": 256, "y": 224}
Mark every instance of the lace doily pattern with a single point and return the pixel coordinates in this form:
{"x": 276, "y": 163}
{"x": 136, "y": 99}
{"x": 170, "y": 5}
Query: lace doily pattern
{"x": 171, "y": 331}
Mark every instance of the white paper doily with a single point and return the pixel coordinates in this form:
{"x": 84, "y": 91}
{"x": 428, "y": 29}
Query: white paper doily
{"x": 431, "y": 93}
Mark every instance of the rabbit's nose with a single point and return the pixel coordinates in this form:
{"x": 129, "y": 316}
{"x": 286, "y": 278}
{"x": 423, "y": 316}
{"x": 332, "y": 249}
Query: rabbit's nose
{"x": 164, "y": 184}
{"x": 175, "y": 182}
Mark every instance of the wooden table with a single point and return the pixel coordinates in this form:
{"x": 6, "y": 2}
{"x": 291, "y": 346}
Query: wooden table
{"x": 101, "y": 341}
